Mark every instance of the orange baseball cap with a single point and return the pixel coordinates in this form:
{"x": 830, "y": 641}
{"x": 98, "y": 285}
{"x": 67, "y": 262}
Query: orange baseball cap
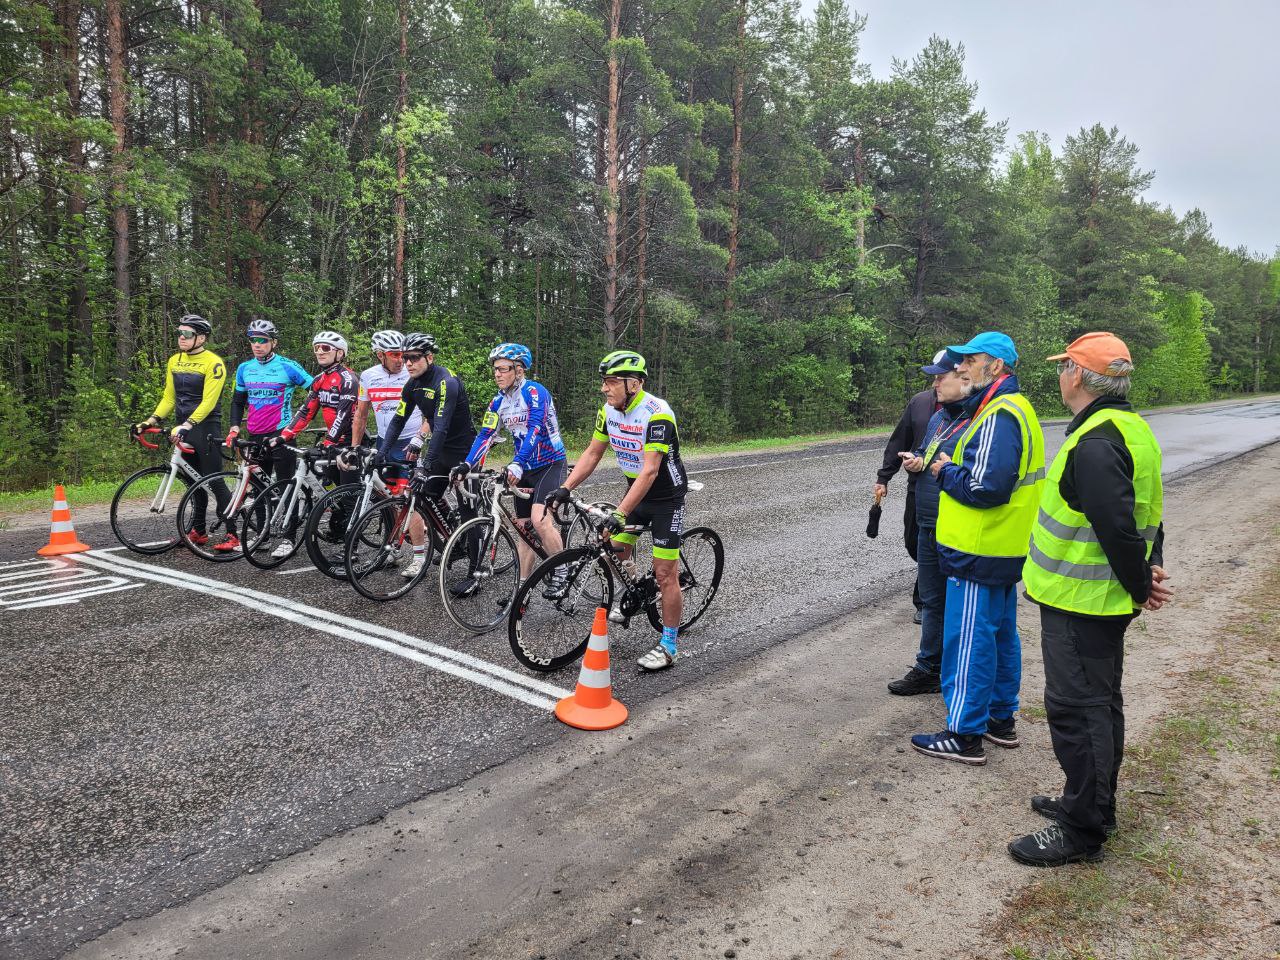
{"x": 1096, "y": 352}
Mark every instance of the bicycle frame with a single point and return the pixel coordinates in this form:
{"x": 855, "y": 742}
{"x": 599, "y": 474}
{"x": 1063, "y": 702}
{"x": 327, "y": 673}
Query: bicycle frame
{"x": 284, "y": 515}
{"x": 176, "y": 463}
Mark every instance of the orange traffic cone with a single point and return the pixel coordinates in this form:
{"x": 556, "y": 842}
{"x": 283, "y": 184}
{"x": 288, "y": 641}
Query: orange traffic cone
{"x": 592, "y": 706}
{"x": 62, "y": 535}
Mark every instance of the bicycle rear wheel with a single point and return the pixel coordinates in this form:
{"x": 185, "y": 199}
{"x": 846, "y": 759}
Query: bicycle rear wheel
{"x": 549, "y": 629}
{"x": 142, "y": 522}
{"x": 327, "y": 527}
{"x": 379, "y": 552}
{"x": 479, "y": 575}
{"x": 265, "y": 527}
{"x": 701, "y": 565}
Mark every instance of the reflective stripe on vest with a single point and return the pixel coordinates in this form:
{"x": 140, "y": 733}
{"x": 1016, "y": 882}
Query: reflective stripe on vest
{"x": 1066, "y": 567}
{"x": 1000, "y": 531}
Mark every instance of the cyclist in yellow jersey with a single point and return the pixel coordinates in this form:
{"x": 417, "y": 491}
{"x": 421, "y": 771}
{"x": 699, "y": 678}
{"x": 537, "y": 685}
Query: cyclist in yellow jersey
{"x": 193, "y": 382}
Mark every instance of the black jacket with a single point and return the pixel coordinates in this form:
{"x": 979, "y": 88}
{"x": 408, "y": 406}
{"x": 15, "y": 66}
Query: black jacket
{"x": 1097, "y": 480}
{"x": 908, "y": 435}
{"x": 442, "y": 398}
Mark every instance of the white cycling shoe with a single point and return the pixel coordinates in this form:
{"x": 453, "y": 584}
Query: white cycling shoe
{"x": 414, "y": 566}
{"x": 283, "y": 549}
{"x": 657, "y": 659}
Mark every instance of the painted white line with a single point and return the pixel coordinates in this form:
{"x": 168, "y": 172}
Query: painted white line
{"x": 285, "y": 573}
{"x": 770, "y": 463}
{"x": 78, "y": 595}
{"x": 461, "y": 665}
{"x": 48, "y": 583}
{"x": 153, "y": 543}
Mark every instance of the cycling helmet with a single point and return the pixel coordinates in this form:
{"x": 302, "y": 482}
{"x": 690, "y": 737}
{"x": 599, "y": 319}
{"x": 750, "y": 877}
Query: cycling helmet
{"x": 517, "y": 352}
{"x": 330, "y": 338}
{"x": 197, "y": 323}
{"x": 262, "y": 328}
{"x": 387, "y": 340}
{"x": 623, "y": 363}
{"x": 421, "y": 342}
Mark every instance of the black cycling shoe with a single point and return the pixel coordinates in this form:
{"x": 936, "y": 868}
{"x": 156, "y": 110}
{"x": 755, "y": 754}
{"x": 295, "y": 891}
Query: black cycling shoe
{"x": 1051, "y": 807}
{"x": 916, "y": 681}
{"x": 1003, "y": 733}
{"x": 1052, "y": 847}
{"x": 465, "y": 588}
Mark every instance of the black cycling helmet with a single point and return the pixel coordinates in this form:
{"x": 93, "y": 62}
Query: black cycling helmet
{"x": 197, "y": 323}
{"x": 262, "y": 328}
{"x": 420, "y": 342}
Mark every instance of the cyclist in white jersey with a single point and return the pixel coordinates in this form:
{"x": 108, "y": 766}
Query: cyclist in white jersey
{"x": 641, "y": 429}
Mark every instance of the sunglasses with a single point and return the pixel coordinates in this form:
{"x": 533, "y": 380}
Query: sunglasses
{"x": 321, "y": 348}
{"x": 613, "y": 381}
{"x": 186, "y": 333}
{"x": 414, "y": 357}
{"x": 503, "y": 368}
{"x": 393, "y": 353}
{"x": 259, "y": 340}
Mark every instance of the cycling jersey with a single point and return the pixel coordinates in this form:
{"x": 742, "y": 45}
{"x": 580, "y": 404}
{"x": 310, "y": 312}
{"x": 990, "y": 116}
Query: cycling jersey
{"x": 266, "y": 388}
{"x": 192, "y": 385}
{"x": 529, "y": 414}
{"x": 333, "y": 394}
{"x": 647, "y": 424}
{"x": 442, "y": 400}
{"x": 381, "y": 389}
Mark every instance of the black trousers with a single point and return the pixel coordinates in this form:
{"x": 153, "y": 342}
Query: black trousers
{"x": 1083, "y": 668}
{"x": 911, "y": 535}
{"x": 206, "y": 438}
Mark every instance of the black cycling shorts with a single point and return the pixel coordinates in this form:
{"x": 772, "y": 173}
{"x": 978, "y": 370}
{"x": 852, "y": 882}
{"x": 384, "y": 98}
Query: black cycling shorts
{"x": 665, "y": 519}
{"x": 541, "y": 481}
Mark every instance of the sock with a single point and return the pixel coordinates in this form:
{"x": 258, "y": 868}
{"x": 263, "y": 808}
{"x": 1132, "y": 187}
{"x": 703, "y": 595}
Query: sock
{"x": 419, "y": 551}
{"x": 669, "y": 639}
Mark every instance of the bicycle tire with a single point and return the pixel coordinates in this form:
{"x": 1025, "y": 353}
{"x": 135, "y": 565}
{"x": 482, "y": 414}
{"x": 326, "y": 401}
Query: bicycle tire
{"x": 257, "y": 537}
{"x": 374, "y": 561}
{"x": 699, "y": 547}
{"x": 549, "y": 634}
{"x": 497, "y": 574}
{"x": 136, "y": 526}
{"x": 327, "y": 527}
{"x": 215, "y": 526}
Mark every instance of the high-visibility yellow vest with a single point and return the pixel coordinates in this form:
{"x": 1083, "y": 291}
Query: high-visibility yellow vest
{"x": 1001, "y": 531}
{"x": 1066, "y": 567}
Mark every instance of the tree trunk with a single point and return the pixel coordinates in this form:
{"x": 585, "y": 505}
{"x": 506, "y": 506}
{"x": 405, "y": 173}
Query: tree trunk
{"x": 642, "y": 248}
{"x": 119, "y": 198}
{"x": 397, "y": 270}
{"x": 735, "y": 204}
{"x": 254, "y": 137}
{"x": 611, "y": 181}
{"x": 859, "y": 179}
{"x": 78, "y": 301}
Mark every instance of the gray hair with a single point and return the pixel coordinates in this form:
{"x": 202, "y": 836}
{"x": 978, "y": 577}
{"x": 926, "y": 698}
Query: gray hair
{"x": 1116, "y": 383}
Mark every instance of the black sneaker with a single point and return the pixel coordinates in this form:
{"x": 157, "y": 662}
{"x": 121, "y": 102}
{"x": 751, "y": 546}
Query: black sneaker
{"x": 1003, "y": 733}
{"x": 1052, "y": 847}
{"x": 962, "y": 748}
{"x": 1051, "y": 807}
{"x": 916, "y": 681}
{"x": 465, "y": 588}
{"x": 556, "y": 584}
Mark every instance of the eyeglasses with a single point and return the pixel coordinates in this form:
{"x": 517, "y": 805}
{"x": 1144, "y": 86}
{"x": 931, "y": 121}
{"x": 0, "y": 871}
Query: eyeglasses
{"x": 186, "y": 333}
{"x": 414, "y": 357}
{"x": 393, "y": 353}
{"x": 321, "y": 348}
{"x": 1063, "y": 366}
{"x": 503, "y": 368}
{"x": 260, "y": 340}
{"x": 612, "y": 381}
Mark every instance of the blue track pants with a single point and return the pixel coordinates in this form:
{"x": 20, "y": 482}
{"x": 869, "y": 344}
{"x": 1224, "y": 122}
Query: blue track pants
{"x": 981, "y": 655}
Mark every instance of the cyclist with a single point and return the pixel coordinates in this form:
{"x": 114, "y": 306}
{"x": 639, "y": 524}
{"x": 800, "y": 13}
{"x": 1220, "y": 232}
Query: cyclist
{"x": 193, "y": 381}
{"x": 527, "y": 411}
{"x": 641, "y": 428}
{"x": 333, "y": 396}
{"x": 438, "y": 395}
{"x": 264, "y": 387}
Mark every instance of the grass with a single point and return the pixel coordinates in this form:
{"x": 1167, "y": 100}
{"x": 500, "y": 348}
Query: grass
{"x": 78, "y": 495}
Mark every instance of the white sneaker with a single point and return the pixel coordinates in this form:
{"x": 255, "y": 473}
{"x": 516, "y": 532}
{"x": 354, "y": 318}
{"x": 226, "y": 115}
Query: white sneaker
{"x": 657, "y": 659}
{"x": 616, "y": 615}
{"x": 284, "y": 548}
{"x": 414, "y": 566}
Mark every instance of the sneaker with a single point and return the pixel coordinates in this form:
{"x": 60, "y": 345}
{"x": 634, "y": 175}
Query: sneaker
{"x": 229, "y": 544}
{"x": 556, "y": 584}
{"x": 1051, "y": 807}
{"x": 1052, "y": 847}
{"x": 962, "y": 748}
{"x": 657, "y": 659}
{"x": 198, "y": 539}
{"x": 916, "y": 681}
{"x": 918, "y": 617}
{"x": 1003, "y": 733}
{"x": 414, "y": 566}
{"x": 465, "y": 589}
{"x": 617, "y": 616}
{"x": 284, "y": 548}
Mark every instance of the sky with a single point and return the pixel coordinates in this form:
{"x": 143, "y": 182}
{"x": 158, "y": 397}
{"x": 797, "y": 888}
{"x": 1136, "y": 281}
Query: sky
{"x": 1195, "y": 86}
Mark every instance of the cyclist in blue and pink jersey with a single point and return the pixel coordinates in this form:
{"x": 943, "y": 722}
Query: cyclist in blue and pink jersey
{"x": 525, "y": 409}
{"x": 264, "y": 391}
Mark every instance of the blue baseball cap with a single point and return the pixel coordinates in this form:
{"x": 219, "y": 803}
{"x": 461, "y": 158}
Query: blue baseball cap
{"x": 944, "y": 361}
{"x": 992, "y": 344}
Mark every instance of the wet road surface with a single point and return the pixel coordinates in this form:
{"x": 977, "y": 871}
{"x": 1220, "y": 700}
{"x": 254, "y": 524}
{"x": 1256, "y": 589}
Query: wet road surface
{"x": 184, "y": 722}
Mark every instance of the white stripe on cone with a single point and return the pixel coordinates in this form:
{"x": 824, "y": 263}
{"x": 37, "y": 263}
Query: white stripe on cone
{"x": 596, "y": 679}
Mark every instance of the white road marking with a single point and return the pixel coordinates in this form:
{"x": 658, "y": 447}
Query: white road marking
{"x": 285, "y": 573}
{"x": 111, "y": 585}
{"x": 461, "y": 665}
{"x": 27, "y": 584}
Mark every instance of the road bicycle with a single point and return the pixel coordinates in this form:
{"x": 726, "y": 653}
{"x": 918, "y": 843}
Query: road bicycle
{"x": 271, "y": 523}
{"x": 330, "y": 519}
{"x": 248, "y": 480}
{"x": 549, "y": 629}
{"x": 143, "y": 508}
{"x": 480, "y": 566}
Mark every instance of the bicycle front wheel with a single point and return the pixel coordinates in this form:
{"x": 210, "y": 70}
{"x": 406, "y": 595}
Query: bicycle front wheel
{"x": 550, "y": 621}
{"x": 271, "y": 529}
{"x": 479, "y": 574}
{"x": 701, "y": 565}
{"x": 381, "y": 563}
{"x": 327, "y": 528}
{"x": 143, "y": 510}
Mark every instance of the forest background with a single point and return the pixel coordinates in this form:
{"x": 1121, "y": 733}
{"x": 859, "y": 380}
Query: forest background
{"x": 721, "y": 184}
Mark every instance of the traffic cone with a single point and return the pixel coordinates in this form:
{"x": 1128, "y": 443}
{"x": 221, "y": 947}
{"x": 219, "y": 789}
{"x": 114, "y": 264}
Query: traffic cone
{"x": 62, "y": 534}
{"x": 592, "y": 706}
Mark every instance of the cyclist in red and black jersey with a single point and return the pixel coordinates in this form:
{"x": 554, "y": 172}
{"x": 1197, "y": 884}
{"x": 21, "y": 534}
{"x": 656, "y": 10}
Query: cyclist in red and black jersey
{"x": 333, "y": 395}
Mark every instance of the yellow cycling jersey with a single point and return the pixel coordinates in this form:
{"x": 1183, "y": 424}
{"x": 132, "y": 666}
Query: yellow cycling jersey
{"x": 193, "y": 386}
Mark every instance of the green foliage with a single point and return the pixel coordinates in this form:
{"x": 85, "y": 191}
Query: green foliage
{"x": 1177, "y": 371}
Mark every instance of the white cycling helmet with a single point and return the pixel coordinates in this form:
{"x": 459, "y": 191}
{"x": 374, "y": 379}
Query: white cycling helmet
{"x": 387, "y": 340}
{"x": 328, "y": 337}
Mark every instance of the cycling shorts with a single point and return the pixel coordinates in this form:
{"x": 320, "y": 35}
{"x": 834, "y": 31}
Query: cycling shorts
{"x": 665, "y": 519}
{"x": 541, "y": 481}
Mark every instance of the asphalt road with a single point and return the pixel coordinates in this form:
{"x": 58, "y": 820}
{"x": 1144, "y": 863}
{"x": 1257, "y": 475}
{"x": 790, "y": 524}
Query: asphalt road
{"x": 184, "y": 723}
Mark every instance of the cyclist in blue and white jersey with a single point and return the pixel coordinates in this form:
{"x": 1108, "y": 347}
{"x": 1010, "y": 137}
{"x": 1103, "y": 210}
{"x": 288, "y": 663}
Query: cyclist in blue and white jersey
{"x": 524, "y": 408}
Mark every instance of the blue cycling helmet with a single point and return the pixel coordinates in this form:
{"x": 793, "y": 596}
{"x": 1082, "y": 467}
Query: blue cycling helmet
{"x": 512, "y": 351}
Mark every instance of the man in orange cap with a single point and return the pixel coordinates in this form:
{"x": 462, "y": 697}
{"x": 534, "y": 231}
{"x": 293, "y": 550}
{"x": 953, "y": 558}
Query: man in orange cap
{"x": 1094, "y": 563}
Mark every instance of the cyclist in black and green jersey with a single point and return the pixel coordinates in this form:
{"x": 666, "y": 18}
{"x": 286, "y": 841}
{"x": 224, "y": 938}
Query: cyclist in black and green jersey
{"x": 641, "y": 429}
